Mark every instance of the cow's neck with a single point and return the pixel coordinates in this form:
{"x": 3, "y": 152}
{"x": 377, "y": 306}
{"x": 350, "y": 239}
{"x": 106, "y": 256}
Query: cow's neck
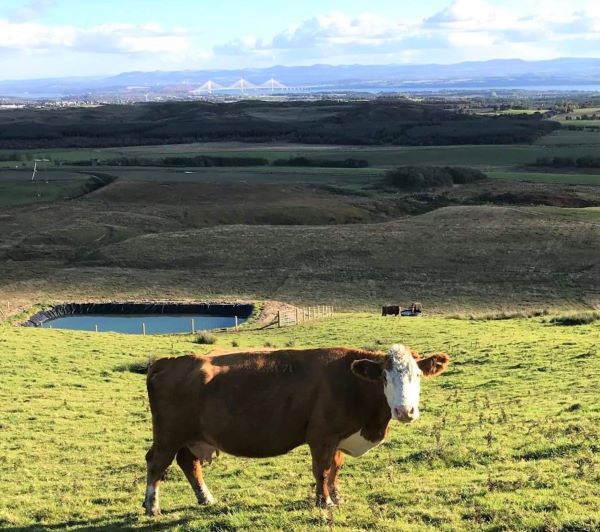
{"x": 373, "y": 427}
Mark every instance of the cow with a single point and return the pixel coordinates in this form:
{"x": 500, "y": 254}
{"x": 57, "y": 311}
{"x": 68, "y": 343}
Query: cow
{"x": 390, "y": 310}
{"x": 339, "y": 401}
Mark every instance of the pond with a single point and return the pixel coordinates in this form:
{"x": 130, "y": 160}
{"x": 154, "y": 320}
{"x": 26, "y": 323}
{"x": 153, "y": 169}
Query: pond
{"x": 141, "y": 323}
{"x": 142, "y": 317}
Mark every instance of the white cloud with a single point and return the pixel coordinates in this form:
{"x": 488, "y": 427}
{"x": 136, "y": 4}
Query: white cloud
{"x": 112, "y": 38}
{"x": 464, "y": 30}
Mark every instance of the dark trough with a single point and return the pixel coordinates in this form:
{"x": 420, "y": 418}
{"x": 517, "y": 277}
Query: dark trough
{"x": 241, "y": 310}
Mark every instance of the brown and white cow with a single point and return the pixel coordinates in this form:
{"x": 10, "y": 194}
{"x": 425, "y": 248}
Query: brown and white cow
{"x": 337, "y": 400}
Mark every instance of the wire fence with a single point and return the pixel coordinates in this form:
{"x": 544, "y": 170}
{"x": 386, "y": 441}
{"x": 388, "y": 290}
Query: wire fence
{"x": 297, "y": 315}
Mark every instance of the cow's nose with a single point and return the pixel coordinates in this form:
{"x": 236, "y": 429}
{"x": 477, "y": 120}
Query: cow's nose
{"x": 405, "y": 413}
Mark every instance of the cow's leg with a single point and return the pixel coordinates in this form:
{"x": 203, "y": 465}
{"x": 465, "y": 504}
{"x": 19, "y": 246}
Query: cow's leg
{"x": 192, "y": 468}
{"x": 336, "y": 465}
{"x": 322, "y": 458}
{"x": 157, "y": 461}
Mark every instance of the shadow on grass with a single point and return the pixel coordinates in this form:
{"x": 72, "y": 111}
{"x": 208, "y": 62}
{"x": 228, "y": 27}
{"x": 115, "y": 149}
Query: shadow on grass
{"x": 129, "y": 521}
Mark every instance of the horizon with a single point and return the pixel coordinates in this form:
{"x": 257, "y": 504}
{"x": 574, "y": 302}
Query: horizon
{"x": 41, "y": 39}
{"x": 276, "y": 66}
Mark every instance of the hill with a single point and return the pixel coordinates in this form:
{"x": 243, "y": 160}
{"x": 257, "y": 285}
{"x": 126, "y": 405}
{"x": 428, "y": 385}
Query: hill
{"x": 485, "y": 75}
{"x": 454, "y": 258}
{"x": 379, "y": 122}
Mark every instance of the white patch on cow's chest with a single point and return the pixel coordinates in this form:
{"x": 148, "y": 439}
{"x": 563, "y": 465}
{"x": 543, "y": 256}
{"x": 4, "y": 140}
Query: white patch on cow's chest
{"x": 357, "y": 445}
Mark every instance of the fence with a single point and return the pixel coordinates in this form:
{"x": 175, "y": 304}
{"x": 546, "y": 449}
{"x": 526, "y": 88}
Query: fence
{"x": 296, "y": 315}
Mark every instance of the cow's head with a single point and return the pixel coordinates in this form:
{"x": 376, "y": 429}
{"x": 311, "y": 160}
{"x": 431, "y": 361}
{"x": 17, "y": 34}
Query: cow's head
{"x": 400, "y": 374}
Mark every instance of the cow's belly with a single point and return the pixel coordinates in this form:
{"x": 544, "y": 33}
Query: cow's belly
{"x": 357, "y": 445}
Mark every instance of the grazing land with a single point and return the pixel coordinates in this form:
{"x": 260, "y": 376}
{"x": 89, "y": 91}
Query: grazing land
{"x": 508, "y": 438}
{"x": 477, "y": 258}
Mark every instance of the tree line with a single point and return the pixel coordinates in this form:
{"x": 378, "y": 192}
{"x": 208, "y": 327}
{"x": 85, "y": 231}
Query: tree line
{"x": 587, "y": 161}
{"x": 201, "y": 161}
{"x": 424, "y": 177}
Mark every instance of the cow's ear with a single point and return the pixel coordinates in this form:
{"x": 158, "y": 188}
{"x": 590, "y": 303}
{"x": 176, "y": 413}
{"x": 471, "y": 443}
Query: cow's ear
{"x": 367, "y": 369}
{"x": 415, "y": 354}
{"x": 434, "y": 364}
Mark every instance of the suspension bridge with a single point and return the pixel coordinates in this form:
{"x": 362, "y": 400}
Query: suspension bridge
{"x": 243, "y": 86}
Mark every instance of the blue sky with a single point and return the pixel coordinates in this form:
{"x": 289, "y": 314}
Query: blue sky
{"x": 47, "y": 38}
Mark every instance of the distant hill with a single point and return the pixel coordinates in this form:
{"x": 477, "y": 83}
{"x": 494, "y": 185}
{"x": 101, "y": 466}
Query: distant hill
{"x": 389, "y": 121}
{"x": 494, "y": 74}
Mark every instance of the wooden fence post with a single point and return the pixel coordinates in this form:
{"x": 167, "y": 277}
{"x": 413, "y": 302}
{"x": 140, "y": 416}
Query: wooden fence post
{"x": 143, "y": 328}
{"x": 297, "y": 316}
{"x": 236, "y": 323}
{"x": 193, "y": 326}
{"x": 278, "y": 318}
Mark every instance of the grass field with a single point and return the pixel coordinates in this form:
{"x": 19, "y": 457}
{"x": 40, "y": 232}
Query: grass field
{"x": 508, "y": 438}
{"x": 548, "y": 177}
{"x": 559, "y": 143}
{"x": 16, "y": 187}
{"x": 19, "y": 193}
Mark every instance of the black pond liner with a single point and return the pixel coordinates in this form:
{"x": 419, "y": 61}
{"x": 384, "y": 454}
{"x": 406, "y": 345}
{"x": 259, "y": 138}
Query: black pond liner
{"x": 241, "y": 310}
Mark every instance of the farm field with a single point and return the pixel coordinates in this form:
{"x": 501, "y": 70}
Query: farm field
{"x": 507, "y": 440}
{"x": 17, "y": 193}
{"x": 566, "y": 137}
{"x": 504, "y": 161}
{"x": 562, "y": 142}
{"x": 548, "y": 177}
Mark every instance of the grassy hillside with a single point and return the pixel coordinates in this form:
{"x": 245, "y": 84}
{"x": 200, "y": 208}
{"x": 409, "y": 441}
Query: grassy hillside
{"x": 468, "y": 258}
{"x": 508, "y": 438}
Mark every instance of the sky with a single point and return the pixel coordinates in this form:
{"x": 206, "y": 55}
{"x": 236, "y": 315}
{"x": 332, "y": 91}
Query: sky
{"x": 64, "y": 38}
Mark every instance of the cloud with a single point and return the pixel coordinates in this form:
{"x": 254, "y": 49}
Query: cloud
{"x": 463, "y": 30}
{"x": 123, "y": 38}
{"x": 112, "y": 38}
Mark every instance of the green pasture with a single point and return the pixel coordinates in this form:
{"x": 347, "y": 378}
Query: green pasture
{"x": 484, "y": 155}
{"x": 562, "y": 143}
{"x": 547, "y": 177}
{"x": 571, "y": 138}
{"x": 508, "y": 438}
{"x": 17, "y": 188}
{"x": 254, "y": 174}
{"x": 17, "y": 193}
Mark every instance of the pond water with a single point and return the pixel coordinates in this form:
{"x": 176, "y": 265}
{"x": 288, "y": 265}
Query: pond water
{"x": 135, "y": 323}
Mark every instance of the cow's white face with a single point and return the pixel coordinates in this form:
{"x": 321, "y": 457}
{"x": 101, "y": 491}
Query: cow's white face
{"x": 402, "y": 384}
{"x": 400, "y": 374}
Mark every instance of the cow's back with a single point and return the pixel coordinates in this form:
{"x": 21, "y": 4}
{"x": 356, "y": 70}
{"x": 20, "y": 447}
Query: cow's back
{"x": 252, "y": 404}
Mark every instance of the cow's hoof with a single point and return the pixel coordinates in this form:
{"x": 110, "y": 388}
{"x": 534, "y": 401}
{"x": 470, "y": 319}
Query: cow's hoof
{"x": 206, "y": 501}
{"x": 336, "y": 497}
{"x": 153, "y": 512}
{"x": 324, "y": 502}
{"x": 205, "y": 497}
